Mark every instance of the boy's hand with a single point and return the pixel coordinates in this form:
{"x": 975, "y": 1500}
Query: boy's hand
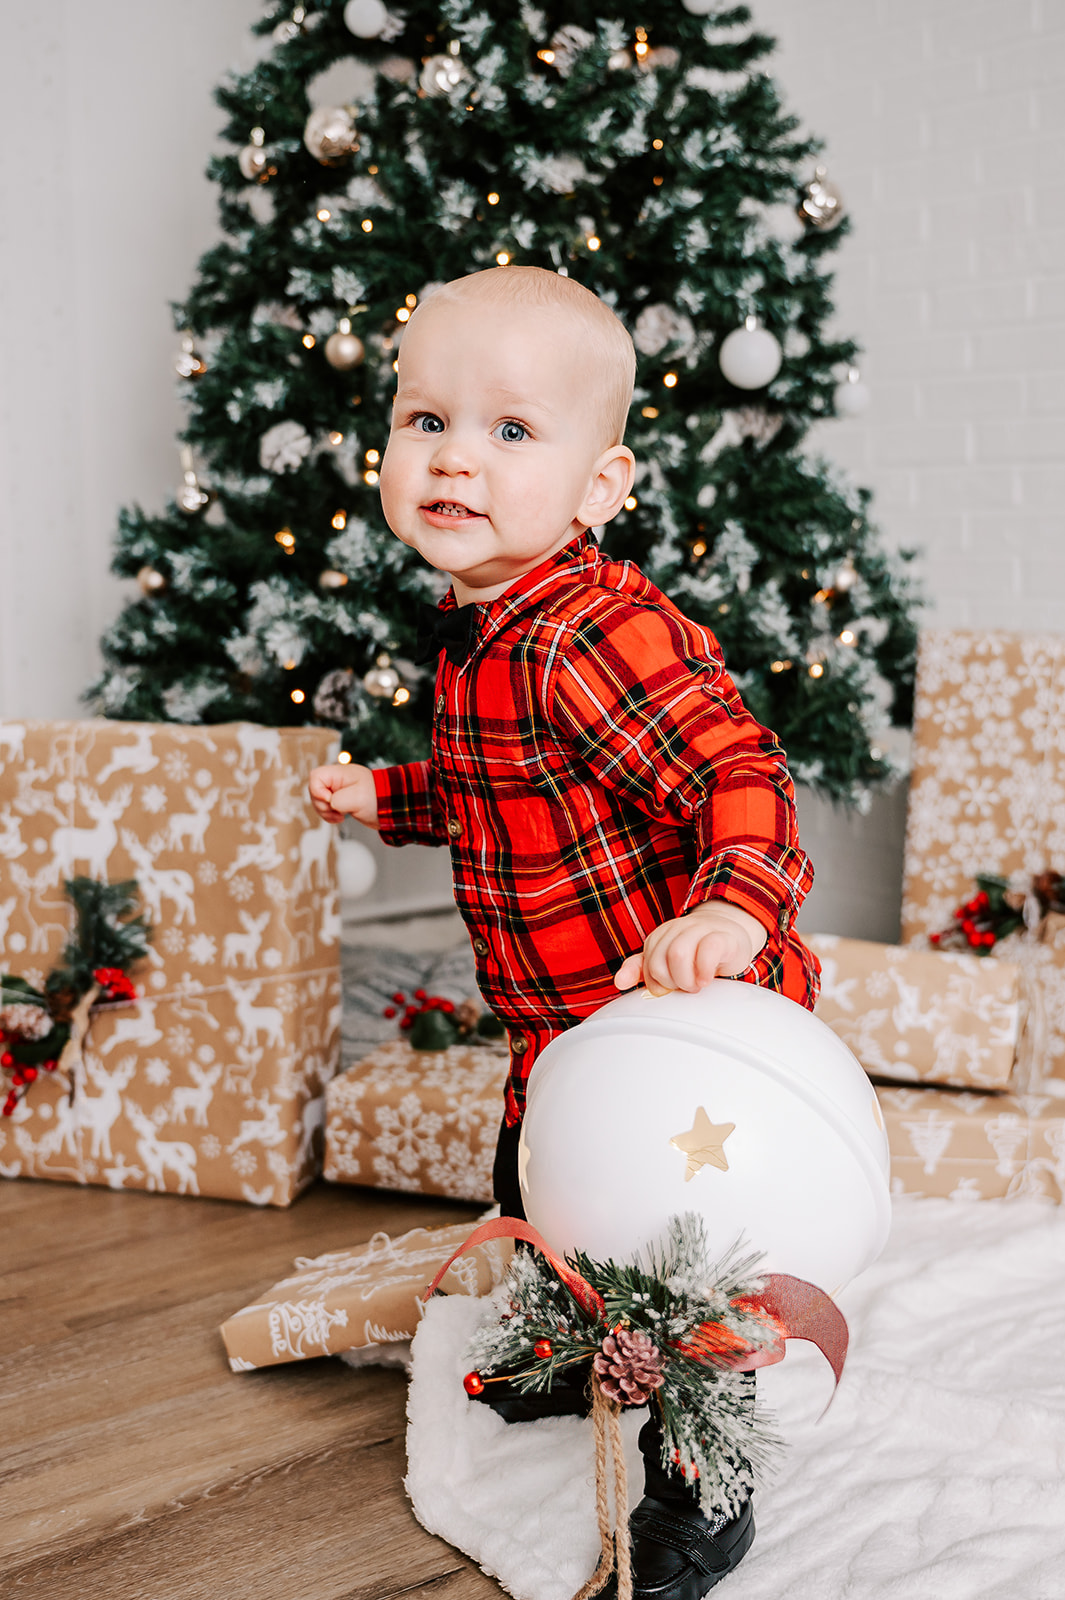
{"x": 339, "y": 792}
{"x": 713, "y": 939}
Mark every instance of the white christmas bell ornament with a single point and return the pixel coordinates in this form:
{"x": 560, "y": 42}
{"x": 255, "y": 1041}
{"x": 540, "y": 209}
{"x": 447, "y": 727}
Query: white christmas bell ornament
{"x": 750, "y": 356}
{"x": 329, "y": 134}
{"x": 734, "y": 1102}
{"x": 852, "y": 397}
{"x": 365, "y": 18}
{"x": 820, "y": 202}
{"x": 356, "y": 868}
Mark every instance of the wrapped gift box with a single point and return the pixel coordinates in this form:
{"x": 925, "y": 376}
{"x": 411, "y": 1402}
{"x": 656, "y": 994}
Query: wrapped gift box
{"x": 213, "y": 1083}
{"x": 985, "y": 796}
{"x": 975, "y": 1147}
{"x": 367, "y": 1298}
{"x": 919, "y": 1015}
{"x": 421, "y": 1120}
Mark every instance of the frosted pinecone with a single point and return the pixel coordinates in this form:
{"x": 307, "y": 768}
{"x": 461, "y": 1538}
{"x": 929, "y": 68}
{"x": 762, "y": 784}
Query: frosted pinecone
{"x": 629, "y": 1367}
{"x": 25, "y": 1021}
{"x": 333, "y": 698}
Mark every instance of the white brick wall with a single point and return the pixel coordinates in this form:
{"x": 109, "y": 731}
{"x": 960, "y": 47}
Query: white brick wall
{"x": 944, "y": 124}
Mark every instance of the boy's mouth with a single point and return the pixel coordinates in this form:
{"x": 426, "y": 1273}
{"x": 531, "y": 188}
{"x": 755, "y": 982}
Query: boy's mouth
{"x": 453, "y": 509}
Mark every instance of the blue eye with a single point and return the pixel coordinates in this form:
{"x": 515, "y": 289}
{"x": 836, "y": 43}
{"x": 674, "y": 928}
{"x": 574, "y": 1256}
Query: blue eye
{"x": 426, "y": 422}
{"x": 513, "y": 432}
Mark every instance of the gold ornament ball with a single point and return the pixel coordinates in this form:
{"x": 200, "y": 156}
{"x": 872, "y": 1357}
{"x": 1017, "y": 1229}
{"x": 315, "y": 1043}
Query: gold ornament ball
{"x": 344, "y": 351}
{"x": 820, "y": 202}
{"x": 151, "y": 582}
{"x": 382, "y": 680}
{"x": 330, "y": 135}
{"x": 331, "y": 579}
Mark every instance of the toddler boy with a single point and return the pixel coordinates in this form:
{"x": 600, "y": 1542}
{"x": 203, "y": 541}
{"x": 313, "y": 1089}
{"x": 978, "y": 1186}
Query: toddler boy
{"x": 614, "y": 814}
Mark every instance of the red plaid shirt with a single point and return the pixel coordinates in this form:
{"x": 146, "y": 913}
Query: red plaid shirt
{"x": 595, "y": 773}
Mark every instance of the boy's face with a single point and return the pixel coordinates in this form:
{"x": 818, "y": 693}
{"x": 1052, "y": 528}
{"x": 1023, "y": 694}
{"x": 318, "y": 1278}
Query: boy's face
{"x": 496, "y": 446}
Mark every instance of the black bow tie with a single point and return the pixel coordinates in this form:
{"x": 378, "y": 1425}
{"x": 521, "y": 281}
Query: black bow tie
{"x": 452, "y": 631}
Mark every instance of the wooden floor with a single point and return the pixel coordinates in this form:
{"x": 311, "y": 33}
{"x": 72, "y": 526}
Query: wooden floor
{"x": 135, "y": 1466}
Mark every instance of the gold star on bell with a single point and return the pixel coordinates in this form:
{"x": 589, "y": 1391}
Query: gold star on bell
{"x": 703, "y": 1144}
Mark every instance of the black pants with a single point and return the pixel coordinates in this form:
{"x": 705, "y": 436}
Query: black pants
{"x": 505, "y": 1185}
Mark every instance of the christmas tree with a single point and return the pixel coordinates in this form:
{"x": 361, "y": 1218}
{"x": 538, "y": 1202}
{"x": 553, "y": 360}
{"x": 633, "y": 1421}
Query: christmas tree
{"x": 640, "y": 148}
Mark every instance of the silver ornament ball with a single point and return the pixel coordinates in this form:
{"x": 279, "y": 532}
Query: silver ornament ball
{"x": 820, "y": 203}
{"x": 344, "y": 351}
{"x": 365, "y": 18}
{"x": 382, "y": 680}
{"x": 329, "y": 135}
{"x": 443, "y": 75}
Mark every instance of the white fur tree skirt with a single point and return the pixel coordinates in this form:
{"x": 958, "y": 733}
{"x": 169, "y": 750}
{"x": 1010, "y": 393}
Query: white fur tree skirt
{"x": 937, "y": 1474}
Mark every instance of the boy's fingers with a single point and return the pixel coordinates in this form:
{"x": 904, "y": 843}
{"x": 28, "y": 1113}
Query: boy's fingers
{"x": 628, "y": 974}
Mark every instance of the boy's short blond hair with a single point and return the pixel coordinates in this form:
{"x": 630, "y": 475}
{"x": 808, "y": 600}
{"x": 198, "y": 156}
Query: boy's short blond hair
{"x": 611, "y": 357}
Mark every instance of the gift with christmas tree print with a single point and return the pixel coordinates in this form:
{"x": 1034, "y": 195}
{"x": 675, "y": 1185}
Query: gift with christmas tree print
{"x": 210, "y": 1077}
{"x": 643, "y": 151}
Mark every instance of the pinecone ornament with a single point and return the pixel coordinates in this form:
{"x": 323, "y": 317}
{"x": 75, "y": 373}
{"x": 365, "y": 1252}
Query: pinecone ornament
{"x": 629, "y": 1367}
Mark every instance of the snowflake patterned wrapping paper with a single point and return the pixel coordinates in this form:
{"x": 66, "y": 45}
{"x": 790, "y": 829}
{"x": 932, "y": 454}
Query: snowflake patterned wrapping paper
{"x": 355, "y": 1299}
{"x": 920, "y": 1015}
{"x": 421, "y": 1120}
{"x": 962, "y": 1146}
{"x": 987, "y": 794}
{"x": 213, "y": 1082}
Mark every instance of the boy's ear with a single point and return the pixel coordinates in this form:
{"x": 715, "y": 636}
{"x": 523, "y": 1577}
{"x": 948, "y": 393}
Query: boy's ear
{"x": 612, "y": 477}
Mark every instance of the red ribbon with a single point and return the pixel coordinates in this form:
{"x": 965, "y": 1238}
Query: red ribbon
{"x": 793, "y": 1308}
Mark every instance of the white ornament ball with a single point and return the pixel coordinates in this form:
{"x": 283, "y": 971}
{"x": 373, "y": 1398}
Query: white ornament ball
{"x": 734, "y": 1102}
{"x": 330, "y": 136}
{"x": 365, "y": 18}
{"x": 750, "y": 356}
{"x": 700, "y": 8}
{"x": 357, "y": 869}
{"x": 444, "y": 75}
{"x": 344, "y": 351}
{"x": 852, "y": 397}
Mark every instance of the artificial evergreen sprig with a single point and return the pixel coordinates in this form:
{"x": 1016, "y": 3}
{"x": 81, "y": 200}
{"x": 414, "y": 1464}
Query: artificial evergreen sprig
{"x": 692, "y": 1318}
{"x": 35, "y": 1024}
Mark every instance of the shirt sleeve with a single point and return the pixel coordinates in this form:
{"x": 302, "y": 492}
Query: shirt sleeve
{"x": 643, "y": 697}
{"x": 407, "y": 810}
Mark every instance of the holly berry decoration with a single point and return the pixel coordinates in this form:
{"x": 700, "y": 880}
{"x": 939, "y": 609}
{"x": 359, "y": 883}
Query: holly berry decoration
{"x": 114, "y": 984}
{"x": 434, "y": 1023}
{"x": 995, "y": 911}
{"x": 473, "y": 1383}
{"x": 543, "y": 1349}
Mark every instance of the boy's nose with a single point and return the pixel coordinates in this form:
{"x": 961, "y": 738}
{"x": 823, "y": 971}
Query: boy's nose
{"x": 452, "y": 458}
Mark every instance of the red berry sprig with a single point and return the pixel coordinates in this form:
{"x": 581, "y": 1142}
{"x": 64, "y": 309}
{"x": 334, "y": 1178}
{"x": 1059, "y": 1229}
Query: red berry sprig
{"x": 414, "y": 1007}
{"x": 114, "y": 984}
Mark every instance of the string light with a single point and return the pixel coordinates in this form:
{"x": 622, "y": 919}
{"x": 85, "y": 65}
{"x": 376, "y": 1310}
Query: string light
{"x": 401, "y": 696}
{"x": 776, "y": 666}
{"x": 289, "y": 666}
{"x": 340, "y": 519}
{"x": 848, "y": 636}
{"x": 323, "y": 215}
{"x": 816, "y": 670}
{"x": 367, "y": 225}
{"x": 412, "y": 300}
{"x": 657, "y": 144}
{"x": 373, "y": 457}
{"x": 309, "y": 341}
{"x": 502, "y": 259}
{"x": 640, "y": 47}
{"x": 373, "y": 174}
{"x": 286, "y": 540}
{"x": 670, "y": 380}
{"x": 545, "y": 55}
{"x": 631, "y": 503}
{"x": 344, "y": 758}
{"x": 724, "y": 608}
{"x": 336, "y": 438}
{"x": 395, "y": 366}
{"x": 299, "y": 696}
{"x": 658, "y": 182}
{"x": 402, "y": 315}
{"x": 593, "y": 242}
{"x": 649, "y": 411}
{"x": 699, "y": 548}
{"x": 371, "y": 478}
{"x": 821, "y": 596}
{"x": 493, "y": 199}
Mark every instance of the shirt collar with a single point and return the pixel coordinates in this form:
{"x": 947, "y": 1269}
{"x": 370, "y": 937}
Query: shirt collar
{"x": 532, "y": 588}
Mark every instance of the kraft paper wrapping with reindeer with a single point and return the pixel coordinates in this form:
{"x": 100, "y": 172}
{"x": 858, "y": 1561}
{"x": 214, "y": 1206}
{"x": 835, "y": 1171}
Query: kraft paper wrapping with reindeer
{"x": 213, "y": 1082}
{"x": 988, "y": 795}
{"x": 368, "y": 1298}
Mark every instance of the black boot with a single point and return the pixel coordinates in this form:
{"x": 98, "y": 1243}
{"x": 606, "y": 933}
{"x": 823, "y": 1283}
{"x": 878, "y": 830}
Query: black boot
{"x": 567, "y": 1397}
{"x": 678, "y": 1553}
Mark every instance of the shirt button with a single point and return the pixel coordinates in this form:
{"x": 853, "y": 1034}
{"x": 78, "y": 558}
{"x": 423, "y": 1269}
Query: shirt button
{"x": 439, "y": 704}
{"x": 519, "y": 1045}
{"x": 480, "y": 946}
{"x": 454, "y": 827}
